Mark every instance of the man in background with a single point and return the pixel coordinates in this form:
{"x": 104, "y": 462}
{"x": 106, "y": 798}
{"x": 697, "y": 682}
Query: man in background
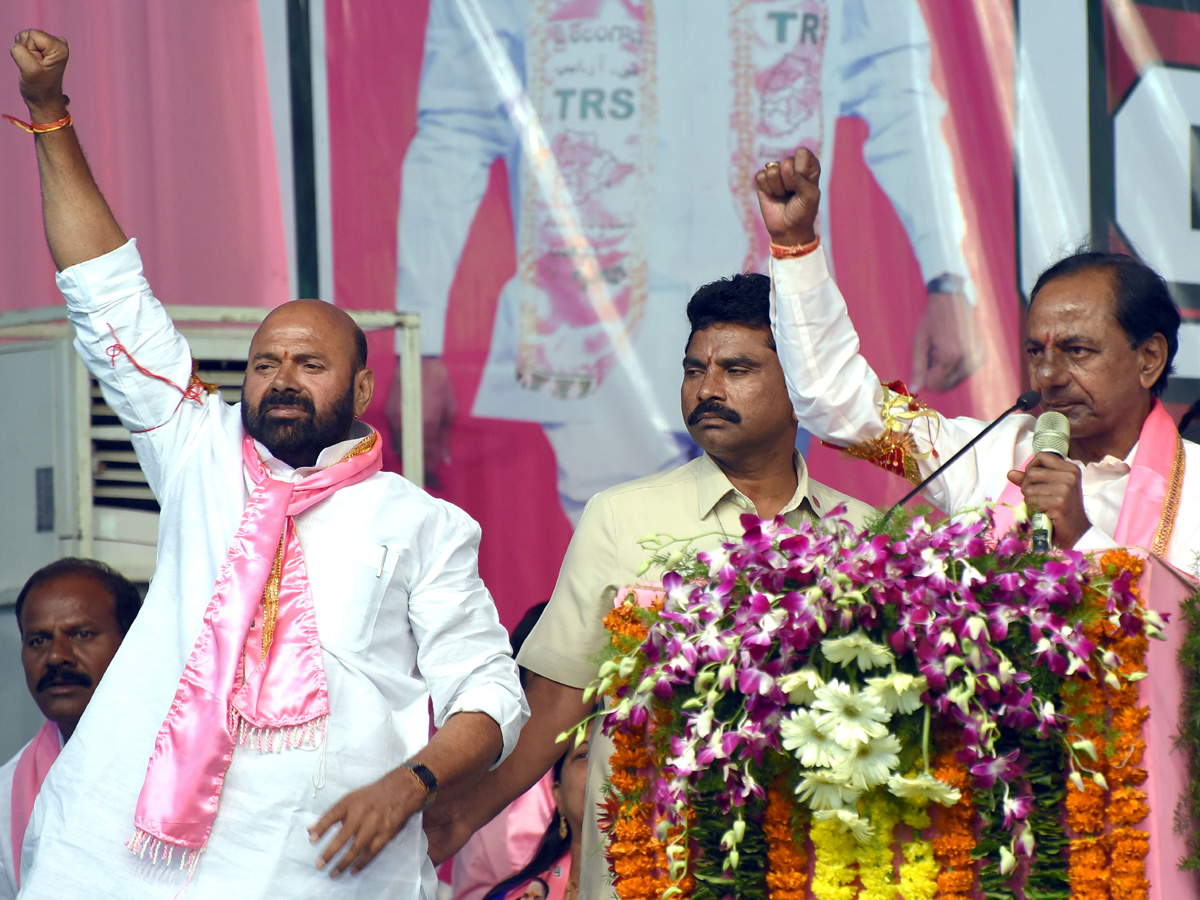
{"x": 72, "y": 616}
{"x": 735, "y": 406}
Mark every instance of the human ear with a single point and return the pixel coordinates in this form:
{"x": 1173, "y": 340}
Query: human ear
{"x": 364, "y": 388}
{"x": 1152, "y": 359}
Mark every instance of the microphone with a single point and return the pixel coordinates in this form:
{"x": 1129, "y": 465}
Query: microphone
{"x": 1025, "y": 402}
{"x": 1052, "y": 433}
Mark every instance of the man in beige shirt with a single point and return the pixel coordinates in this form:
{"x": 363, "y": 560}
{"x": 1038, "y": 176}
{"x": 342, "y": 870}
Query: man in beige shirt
{"x": 736, "y": 407}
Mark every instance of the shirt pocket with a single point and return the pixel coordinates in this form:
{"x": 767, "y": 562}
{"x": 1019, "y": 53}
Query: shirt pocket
{"x": 349, "y": 581}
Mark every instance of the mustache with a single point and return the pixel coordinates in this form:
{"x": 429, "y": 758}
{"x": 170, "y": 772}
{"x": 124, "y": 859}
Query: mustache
{"x": 712, "y": 407}
{"x": 293, "y": 399}
{"x": 62, "y": 675}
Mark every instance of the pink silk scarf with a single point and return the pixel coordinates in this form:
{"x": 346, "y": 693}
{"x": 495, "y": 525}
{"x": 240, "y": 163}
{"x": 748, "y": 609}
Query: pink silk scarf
{"x": 1149, "y": 478}
{"x": 36, "y": 760}
{"x": 281, "y": 702}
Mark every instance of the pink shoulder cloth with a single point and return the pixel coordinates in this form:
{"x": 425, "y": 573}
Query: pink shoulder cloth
{"x": 282, "y": 702}
{"x": 36, "y": 759}
{"x": 1149, "y": 478}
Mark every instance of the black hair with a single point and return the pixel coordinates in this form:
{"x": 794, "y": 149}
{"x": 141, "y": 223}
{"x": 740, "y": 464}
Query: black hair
{"x": 126, "y": 599}
{"x": 360, "y": 349}
{"x": 551, "y": 848}
{"x": 1142, "y": 305}
{"x": 742, "y": 299}
{"x": 523, "y": 630}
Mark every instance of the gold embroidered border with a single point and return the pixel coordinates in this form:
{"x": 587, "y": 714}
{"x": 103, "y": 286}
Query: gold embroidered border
{"x": 1171, "y": 504}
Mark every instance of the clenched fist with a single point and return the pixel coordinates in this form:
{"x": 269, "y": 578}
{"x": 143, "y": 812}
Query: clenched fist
{"x": 42, "y": 59}
{"x": 788, "y": 198}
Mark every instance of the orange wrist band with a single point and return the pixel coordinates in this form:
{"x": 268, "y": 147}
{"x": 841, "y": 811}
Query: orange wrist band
{"x": 39, "y": 129}
{"x": 793, "y": 251}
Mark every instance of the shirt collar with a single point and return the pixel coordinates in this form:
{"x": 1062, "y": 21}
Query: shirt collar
{"x": 713, "y": 486}
{"x": 327, "y": 457}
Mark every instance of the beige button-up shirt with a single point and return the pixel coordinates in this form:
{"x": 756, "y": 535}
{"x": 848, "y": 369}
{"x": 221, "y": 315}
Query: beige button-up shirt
{"x": 695, "y": 502}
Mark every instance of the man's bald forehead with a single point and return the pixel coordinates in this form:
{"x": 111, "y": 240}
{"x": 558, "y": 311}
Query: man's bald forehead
{"x": 318, "y": 313}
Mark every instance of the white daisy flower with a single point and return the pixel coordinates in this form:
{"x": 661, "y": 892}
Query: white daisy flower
{"x": 898, "y": 691}
{"x": 821, "y": 790}
{"x": 851, "y": 717}
{"x": 923, "y": 788}
{"x": 858, "y": 649}
{"x": 812, "y": 747}
{"x": 871, "y": 763}
{"x": 849, "y": 820}
{"x": 800, "y": 685}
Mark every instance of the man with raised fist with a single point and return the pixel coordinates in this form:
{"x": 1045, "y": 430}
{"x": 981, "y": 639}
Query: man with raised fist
{"x": 307, "y": 612}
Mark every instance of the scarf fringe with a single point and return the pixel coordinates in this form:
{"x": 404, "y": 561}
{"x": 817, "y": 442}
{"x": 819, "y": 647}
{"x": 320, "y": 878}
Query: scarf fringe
{"x": 156, "y": 851}
{"x": 275, "y": 740}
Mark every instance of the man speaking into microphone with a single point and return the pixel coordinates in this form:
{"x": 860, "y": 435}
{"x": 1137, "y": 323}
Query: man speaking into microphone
{"x": 1101, "y": 336}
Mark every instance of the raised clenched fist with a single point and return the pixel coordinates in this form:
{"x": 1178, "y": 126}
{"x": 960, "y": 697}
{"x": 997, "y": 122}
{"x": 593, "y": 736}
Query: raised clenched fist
{"x": 788, "y": 197}
{"x": 42, "y": 59}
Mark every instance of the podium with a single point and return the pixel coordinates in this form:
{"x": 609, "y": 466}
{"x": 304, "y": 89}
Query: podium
{"x": 777, "y": 706}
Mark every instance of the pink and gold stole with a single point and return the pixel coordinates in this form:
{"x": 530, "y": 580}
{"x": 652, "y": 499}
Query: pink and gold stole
{"x": 281, "y": 702}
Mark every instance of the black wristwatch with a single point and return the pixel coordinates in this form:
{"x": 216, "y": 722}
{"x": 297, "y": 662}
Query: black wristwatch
{"x": 428, "y": 780}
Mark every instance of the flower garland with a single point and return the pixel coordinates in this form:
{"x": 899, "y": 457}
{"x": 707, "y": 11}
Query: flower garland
{"x": 817, "y": 659}
{"x": 787, "y": 868}
{"x": 876, "y": 861}
{"x": 1127, "y": 807}
{"x": 835, "y": 866}
{"x": 954, "y": 843}
{"x": 918, "y": 872}
{"x": 631, "y": 849}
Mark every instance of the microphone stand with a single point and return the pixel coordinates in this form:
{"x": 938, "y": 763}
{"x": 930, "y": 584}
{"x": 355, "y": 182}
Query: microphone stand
{"x": 1025, "y": 402}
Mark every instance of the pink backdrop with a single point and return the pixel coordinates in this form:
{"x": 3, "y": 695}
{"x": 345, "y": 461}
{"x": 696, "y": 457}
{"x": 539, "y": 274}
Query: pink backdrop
{"x": 170, "y": 101}
{"x": 503, "y": 473}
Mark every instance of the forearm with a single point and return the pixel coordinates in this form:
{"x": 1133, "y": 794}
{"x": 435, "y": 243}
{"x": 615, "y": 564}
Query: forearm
{"x": 554, "y": 709}
{"x": 459, "y": 753}
{"x": 79, "y": 224}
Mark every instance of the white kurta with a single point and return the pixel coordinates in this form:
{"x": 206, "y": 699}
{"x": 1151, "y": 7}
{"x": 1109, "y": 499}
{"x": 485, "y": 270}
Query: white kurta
{"x": 837, "y": 396}
{"x": 402, "y": 615}
{"x": 8, "y": 869}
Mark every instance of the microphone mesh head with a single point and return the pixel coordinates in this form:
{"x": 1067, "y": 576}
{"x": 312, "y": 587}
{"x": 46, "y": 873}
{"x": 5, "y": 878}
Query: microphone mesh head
{"x": 1052, "y": 432}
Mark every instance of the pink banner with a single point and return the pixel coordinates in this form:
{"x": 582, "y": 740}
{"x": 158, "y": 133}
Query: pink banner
{"x": 461, "y": 96}
{"x": 170, "y": 101}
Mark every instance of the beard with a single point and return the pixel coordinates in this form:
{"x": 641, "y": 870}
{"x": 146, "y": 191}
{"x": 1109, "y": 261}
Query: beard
{"x": 298, "y": 442}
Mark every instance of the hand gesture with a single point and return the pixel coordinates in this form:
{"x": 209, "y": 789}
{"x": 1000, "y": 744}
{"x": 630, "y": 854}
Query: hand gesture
{"x": 1054, "y": 486}
{"x": 42, "y": 59}
{"x": 369, "y": 817}
{"x": 788, "y": 197}
{"x": 947, "y": 346}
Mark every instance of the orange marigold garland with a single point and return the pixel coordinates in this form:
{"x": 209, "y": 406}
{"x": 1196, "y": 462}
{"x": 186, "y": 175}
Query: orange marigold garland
{"x": 1108, "y": 853}
{"x": 954, "y": 841}
{"x": 1128, "y": 845}
{"x": 787, "y": 867}
{"x": 1084, "y": 702}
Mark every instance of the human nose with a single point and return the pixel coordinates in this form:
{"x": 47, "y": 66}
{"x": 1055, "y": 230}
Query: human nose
{"x": 711, "y": 385}
{"x": 284, "y": 377}
{"x": 1049, "y": 370}
{"x": 61, "y": 650}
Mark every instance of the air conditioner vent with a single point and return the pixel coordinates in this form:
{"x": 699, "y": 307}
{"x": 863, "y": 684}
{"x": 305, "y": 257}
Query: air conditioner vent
{"x": 117, "y": 479}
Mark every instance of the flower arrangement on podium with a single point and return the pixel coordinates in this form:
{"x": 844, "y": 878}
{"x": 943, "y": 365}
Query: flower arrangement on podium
{"x": 827, "y": 690}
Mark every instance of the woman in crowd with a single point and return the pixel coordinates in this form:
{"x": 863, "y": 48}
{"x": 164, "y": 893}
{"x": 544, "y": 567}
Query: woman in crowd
{"x": 553, "y": 873}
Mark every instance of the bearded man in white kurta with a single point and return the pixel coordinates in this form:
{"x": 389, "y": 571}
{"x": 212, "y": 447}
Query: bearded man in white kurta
{"x": 267, "y": 722}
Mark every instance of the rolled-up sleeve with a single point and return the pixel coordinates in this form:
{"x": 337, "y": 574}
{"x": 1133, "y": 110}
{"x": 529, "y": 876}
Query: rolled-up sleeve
{"x": 463, "y": 652}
